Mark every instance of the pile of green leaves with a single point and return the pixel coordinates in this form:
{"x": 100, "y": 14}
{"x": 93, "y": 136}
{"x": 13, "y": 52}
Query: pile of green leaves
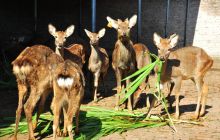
{"x": 95, "y": 122}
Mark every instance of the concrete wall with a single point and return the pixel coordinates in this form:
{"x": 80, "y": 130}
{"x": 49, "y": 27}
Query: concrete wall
{"x": 207, "y": 31}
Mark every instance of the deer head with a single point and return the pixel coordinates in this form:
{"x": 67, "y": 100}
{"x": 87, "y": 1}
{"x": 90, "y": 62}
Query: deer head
{"x": 164, "y": 45}
{"x": 60, "y": 36}
{"x": 123, "y": 27}
{"x": 94, "y": 37}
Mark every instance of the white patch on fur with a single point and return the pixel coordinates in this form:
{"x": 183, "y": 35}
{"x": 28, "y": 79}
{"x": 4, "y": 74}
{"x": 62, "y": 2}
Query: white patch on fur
{"x": 26, "y": 69}
{"x": 16, "y": 69}
{"x": 65, "y": 82}
{"x": 22, "y": 71}
{"x": 161, "y": 86}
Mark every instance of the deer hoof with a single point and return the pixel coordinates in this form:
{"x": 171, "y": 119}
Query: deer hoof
{"x": 59, "y": 133}
{"x": 13, "y": 137}
{"x": 177, "y": 116}
{"x": 196, "y": 116}
{"x": 64, "y": 134}
{"x": 117, "y": 108}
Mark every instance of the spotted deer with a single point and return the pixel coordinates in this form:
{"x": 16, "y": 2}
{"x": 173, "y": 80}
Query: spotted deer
{"x": 183, "y": 64}
{"x": 142, "y": 59}
{"x": 33, "y": 69}
{"x": 98, "y": 60}
{"x": 123, "y": 57}
{"x": 68, "y": 85}
{"x": 74, "y": 52}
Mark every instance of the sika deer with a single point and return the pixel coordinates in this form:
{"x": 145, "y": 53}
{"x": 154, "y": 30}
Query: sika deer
{"x": 33, "y": 69}
{"x": 75, "y": 52}
{"x": 98, "y": 60}
{"x": 68, "y": 87}
{"x": 123, "y": 57}
{"x": 183, "y": 64}
{"x": 142, "y": 59}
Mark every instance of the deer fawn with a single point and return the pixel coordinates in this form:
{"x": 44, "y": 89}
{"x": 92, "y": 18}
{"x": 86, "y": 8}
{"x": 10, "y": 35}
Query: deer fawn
{"x": 123, "y": 57}
{"x": 142, "y": 59}
{"x": 33, "y": 69}
{"x": 98, "y": 60}
{"x": 68, "y": 87}
{"x": 74, "y": 52}
{"x": 182, "y": 64}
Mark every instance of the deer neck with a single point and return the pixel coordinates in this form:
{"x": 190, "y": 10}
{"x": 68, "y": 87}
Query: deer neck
{"x": 95, "y": 53}
{"x": 59, "y": 50}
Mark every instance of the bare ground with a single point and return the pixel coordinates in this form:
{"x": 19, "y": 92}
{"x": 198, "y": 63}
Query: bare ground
{"x": 211, "y": 121}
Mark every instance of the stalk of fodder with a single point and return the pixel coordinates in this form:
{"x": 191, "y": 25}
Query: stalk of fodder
{"x": 143, "y": 73}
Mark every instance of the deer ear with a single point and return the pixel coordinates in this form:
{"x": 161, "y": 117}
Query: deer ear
{"x": 88, "y": 33}
{"x": 112, "y": 23}
{"x": 101, "y": 33}
{"x": 156, "y": 39}
{"x": 132, "y": 21}
{"x": 69, "y": 30}
{"x": 173, "y": 40}
{"x": 51, "y": 29}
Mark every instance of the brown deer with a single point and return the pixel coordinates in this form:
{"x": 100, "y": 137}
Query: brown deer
{"x": 183, "y": 64}
{"x": 75, "y": 52}
{"x": 142, "y": 59}
{"x": 33, "y": 69}
{"x": 68, "y": 87}
{"x": 98, "y": 60}
{"x": 123, "y": 57}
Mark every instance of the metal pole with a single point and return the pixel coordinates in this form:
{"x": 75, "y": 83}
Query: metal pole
{"x": 35, "y": 15}
{"x": 93, "y": 15}
{"x": 139, "y": 20}
{"x": 186, "y": 18}
{"x": 167, "y": 16}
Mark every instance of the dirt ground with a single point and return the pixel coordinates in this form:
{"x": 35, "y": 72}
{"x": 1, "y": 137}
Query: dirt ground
{"x": 211, "y": 121}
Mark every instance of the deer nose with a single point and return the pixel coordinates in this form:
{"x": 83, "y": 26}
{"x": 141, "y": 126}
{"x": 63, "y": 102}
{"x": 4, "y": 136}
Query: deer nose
{"x": 162, "y": 58}
{"x": 124, "y": 34}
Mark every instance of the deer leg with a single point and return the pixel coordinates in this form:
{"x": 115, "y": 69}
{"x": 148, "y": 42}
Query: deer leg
{"x": 72, "y": 111}
{"x": 170, "y": 89}
{"x": 96, "y": 82}
{"x": 65, "y": 107}
{"x": 176, "y": 89}
{"x": 118, "y": 78}
{"x": 77, "y": 122}
{"x": 136, "y": 96}
{"x": 41, "y": 107}
{"x": 199, "y": 85}
{"x": 29, "y": 107}
{"x": 103, "y": 83}
{"x": 151, "y": 106}
{"x": 204, "y": 97}
{"x": 129, "y": 98}
{"x": 22, "y": 91}
{"x": 56, "y": 112}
